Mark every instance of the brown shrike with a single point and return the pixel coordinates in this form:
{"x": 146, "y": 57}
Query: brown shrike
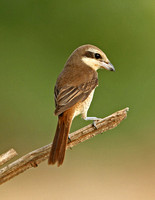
{"x": 74, "y": 92}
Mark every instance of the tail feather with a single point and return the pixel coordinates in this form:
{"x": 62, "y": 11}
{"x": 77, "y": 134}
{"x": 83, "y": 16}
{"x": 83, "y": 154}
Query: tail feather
{"x": 56, "y": 145}
{"x": 63, "y": 147}
{"x": 58, "y": 149}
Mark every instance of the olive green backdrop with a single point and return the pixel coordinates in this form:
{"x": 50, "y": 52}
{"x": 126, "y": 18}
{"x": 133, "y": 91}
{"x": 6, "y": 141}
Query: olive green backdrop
{"x": 36, "y": 38}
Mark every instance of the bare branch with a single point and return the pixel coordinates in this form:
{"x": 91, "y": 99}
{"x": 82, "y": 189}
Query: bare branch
{"x": 7, "y": 156}
{"x": 37, "y": 156}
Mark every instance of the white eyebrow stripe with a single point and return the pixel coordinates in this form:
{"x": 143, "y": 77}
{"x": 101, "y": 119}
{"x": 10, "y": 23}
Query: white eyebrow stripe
{"x": 94, "y": 50}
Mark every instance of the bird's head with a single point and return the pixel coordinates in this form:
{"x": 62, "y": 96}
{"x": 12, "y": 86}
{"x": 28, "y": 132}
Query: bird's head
{"x": 93, "y": 57}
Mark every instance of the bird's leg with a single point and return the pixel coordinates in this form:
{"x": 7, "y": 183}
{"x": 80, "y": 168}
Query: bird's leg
{"x": 94, "y": 119}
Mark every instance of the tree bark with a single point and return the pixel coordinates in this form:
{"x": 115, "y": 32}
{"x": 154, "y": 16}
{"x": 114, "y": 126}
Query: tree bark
{"x": 37, "y": 156}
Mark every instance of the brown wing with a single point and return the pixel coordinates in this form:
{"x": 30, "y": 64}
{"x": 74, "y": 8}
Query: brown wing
{"x": 68, "y": 96}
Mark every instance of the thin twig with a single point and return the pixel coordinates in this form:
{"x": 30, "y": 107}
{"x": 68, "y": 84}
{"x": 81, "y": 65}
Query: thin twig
{"x": 37, "y": 156}
{"x": 5, "y": 157}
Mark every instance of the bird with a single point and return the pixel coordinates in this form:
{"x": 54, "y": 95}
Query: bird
{"x": 73, "y": 94}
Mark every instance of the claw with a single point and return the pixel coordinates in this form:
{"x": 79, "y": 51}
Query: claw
{"x": 94, "y": 124}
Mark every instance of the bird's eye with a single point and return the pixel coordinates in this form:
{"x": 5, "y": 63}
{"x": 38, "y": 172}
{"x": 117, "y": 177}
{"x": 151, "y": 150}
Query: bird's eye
{"x": 97, "y": 55}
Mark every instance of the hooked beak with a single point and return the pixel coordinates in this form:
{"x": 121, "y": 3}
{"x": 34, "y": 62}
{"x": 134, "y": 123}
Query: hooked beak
{"x": 107, "y": 66}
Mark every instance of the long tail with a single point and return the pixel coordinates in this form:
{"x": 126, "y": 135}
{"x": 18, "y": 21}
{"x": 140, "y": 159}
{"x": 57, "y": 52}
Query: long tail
{"x": 58, "y": 149}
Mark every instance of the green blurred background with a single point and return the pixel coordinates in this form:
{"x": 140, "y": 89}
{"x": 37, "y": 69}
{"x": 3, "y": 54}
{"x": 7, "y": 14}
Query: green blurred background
{"x": 36, "y": 38}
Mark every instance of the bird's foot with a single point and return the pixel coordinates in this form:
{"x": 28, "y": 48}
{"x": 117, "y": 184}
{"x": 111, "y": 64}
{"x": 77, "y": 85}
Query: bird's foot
{"x": 69, "y": 140}
{"x": 95, "y": 119}
{"x": 94, "y": 124}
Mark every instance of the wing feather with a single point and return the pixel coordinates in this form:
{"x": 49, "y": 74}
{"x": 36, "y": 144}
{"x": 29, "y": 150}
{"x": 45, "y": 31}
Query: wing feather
{"x": 67, "y": 96}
